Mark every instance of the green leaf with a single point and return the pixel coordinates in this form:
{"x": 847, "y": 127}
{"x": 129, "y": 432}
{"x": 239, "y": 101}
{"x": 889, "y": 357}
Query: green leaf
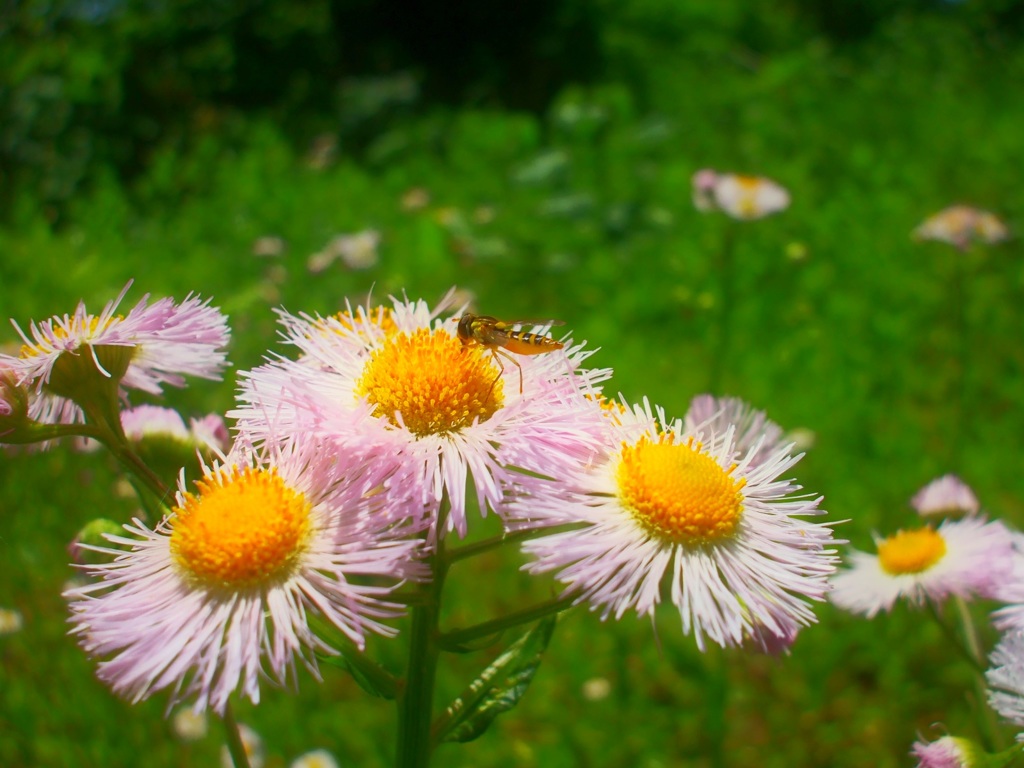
{"x": 498, "y": 688}
{"x": 370, "y": 677}
{"x": 368, "y": 674}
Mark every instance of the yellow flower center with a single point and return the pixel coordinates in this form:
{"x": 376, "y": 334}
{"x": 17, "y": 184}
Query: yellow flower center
{"x": 612, "y": 409}
{"x": 748, "y": 202}
{"x": 911, "y": 551}
{"x": 242, "y": 529}
{"x": 678, "y": 493}
{"x": 437, "y": 385}
{"x": 379, "y": 317}
{"x": 85, "y": 330}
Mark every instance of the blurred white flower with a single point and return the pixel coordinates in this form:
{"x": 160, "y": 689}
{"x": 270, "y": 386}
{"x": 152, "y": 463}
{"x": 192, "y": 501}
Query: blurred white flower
{"x": 319, "y": 261}
{"x": 741, "y": 197}
{"x": 961, "y": 225}
{"x": 10, "y": 621}
{"x": 318, "y": 758}
{"x": 253, "y": 745}
{"x": 415, "y": 199}
{"x": 189, "y": 725}
{"x": 596, "y": 689}
{"x": 356, "y": 251}
{"x": 268, "y": 245}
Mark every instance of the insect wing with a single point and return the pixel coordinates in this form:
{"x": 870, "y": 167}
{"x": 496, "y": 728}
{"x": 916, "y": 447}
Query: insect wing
{"x": 506, "y": 325}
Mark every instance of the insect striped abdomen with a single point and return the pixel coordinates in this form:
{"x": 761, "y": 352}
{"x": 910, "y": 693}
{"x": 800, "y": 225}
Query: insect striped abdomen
{"x": 523, "y": 343}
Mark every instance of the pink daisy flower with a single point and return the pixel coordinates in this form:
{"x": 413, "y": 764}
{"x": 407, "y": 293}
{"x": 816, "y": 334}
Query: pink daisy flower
{"x": 154, "y": 344}
{"x": 401, "y": 381}
{"x": 218, "y": 594}
{"x": 1006, "y": 678}
{"x": 751, "y": 428}
{"x": 961, "y": 557}
{"x": 671, "y": 512}
{"x": 1011, "y": 590}
{"x": 946, "y": 495}
{"x": 153, "y": 420}
{"x": 209, "y": 433}
{"x": 741, "y": 197}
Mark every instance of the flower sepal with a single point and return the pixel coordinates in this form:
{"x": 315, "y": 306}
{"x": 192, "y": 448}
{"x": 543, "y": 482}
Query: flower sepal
{"x": 13, "y": 399}
{"x": 15, "y": 424}
{"x": 89, "y": 373}
{"x": 91, "y": 377}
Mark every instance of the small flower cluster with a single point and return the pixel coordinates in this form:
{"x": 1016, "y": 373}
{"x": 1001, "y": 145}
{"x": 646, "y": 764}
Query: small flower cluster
{"x": 966, "y": 556}
{"x": 355, "y": 460}
{"x": 152, "y": 345}
{"x": 748, "y": 198}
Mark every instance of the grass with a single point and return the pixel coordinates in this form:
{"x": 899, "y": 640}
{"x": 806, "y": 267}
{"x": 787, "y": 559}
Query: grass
{"x": 841, "y": 325}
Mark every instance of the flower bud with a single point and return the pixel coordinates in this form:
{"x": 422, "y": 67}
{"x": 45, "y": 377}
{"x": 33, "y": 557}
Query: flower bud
{"x": 94, "y": 534}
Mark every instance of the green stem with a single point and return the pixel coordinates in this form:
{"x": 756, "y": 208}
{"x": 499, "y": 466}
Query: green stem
{"x": 970, "y": 633}
{"x": 107, "y": 429}
{"x": 457, "y": 639}
{"x": 134, "y": 464}
{"x": 947, "y": 631}
{"x": 485, "y": 545}
{"x": 725, "y": 314}
{"x": 987, "y": 725}
{"x": 716, "y": 708}
{"x": 40, "y": 433}
{"x": 970, "y": 648}
{"x": 959, "y": 386}
{"x": 234, "y": 739}
{"x": 416, "y": 700}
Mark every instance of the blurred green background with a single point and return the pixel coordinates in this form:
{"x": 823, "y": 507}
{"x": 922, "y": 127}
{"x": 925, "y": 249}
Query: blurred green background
{"x": 538, "y": 155}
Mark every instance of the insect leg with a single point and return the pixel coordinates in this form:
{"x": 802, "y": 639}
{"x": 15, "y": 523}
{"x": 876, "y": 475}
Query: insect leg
{"x": 515, "y": 362}
{"x": 501, "y": 370}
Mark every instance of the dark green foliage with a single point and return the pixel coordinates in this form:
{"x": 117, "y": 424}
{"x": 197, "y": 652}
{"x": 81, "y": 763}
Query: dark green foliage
{"x": 88, "y": 89}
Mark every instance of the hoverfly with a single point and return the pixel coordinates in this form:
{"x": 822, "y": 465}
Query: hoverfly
{"x": 498, "y": 336}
